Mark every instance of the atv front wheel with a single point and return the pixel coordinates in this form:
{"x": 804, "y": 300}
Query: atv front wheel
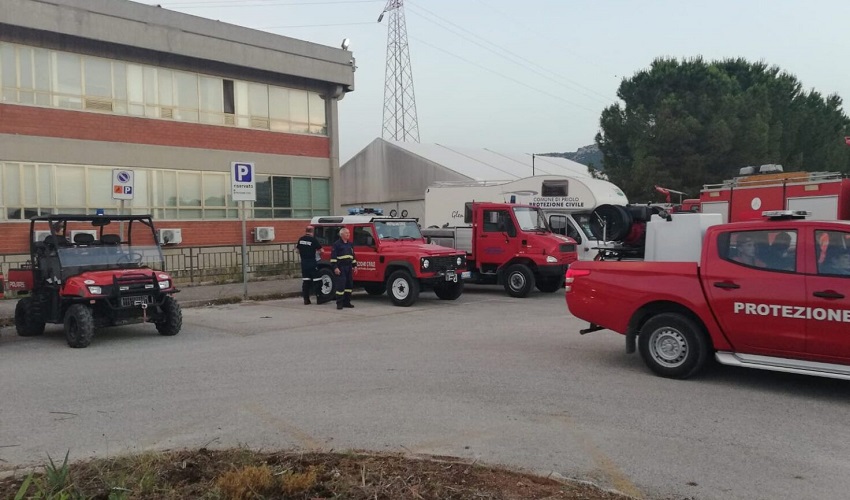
{"x": 79, "y": 326}
{"x": 171, "y": 320}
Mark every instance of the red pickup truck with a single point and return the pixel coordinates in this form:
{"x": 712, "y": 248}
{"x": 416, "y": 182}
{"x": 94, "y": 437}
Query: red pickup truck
{"x": 769, "y": 294}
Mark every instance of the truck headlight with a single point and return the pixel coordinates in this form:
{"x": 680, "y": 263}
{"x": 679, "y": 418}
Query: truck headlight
{"x": 551, "y": 259}
{"x": 459, "y": 260}
{"x": 164, "y": 284}
{"x": 95, "y": 290}
{"x": 425, "y": 263}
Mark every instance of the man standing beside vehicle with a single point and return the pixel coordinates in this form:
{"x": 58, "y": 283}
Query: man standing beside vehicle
{"x": 308, "y": 247}
{"x": 345, "y": 265}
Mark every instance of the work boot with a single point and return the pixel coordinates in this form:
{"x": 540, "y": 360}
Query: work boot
{"x": 339, "y": 305}
{"x": 348, "y": 306}
{"x": 307, "y": 301}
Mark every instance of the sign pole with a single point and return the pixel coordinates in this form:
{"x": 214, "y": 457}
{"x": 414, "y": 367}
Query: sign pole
{"x": 244, "y": 254}
{"x": 243, "y": 188}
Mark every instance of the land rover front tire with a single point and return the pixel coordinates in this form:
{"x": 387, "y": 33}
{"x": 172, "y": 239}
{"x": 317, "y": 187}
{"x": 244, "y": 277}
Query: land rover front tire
{"x": 28, "y": 319}
{"x": 673, "y": 345}
{"x": 79, "y": 326}
{"x": 402, "y": 288}
{"x": 171, "y": 320}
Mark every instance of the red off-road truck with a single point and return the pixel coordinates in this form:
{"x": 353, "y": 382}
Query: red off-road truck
{"x": 86, "y": 275}
{"x": 769, "y": 294}
{"x": 391, "y": 257}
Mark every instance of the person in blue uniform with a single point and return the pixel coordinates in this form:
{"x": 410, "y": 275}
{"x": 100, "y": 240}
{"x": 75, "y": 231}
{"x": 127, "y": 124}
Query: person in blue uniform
{"x": 345, "y": 265}
{"x": 308, "y": 247}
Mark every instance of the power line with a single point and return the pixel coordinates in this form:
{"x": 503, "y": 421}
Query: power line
{"x": 537, "y": 33}
{"x": 522, "y": 60}
{"x": 554, "y": 96}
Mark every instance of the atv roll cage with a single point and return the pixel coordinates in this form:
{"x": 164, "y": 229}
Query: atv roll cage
{"x": 107, "y": 250}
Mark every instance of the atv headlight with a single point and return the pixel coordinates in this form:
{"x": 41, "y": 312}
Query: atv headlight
{"x": 551, "y": 259}
{"x": 425, "y": 263}
{"x": 95, "y": 290}
{"x": 459, "y": 260}
{"x": 164, "y": 284}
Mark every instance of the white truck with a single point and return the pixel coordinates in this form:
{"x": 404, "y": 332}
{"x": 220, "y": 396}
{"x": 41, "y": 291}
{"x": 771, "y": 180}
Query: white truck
{"x": 567, "y": 202}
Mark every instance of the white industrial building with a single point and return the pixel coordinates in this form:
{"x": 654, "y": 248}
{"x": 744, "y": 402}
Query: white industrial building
{"x": 394, "y": 175}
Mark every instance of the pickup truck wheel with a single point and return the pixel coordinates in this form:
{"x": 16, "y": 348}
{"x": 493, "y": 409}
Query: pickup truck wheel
{"x": 673, "y": 346}
{"x": 449, "y": 290}
{"x": 28, "y": 319}
{"x": 550, "y": 285}
{"x": 79, "y": 326}
{"x": 403, "y": 289}
{"x": 326, "y": 285}
{"x": 375, "y": 288}
{"x": 519, "y": 280}
{"x": 172, "y": 317}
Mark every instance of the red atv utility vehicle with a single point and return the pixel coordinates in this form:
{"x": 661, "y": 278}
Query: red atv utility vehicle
{"x": 94, "y": 271}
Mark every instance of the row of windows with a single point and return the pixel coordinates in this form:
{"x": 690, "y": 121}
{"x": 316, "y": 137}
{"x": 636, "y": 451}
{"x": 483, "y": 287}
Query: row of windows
{"x": 28, "y": 189}
{"x": 42, "y": 77}
{"x": 777, "y": 250}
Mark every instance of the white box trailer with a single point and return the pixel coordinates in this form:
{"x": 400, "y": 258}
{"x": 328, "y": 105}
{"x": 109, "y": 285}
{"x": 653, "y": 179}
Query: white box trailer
{"x": 566, "y": 201}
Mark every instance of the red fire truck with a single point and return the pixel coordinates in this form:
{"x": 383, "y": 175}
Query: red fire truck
{"x": 826, "y": 195}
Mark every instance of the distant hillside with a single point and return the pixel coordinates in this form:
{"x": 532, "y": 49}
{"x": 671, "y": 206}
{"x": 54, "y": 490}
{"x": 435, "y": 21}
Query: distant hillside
{"x": 587, "y": 155}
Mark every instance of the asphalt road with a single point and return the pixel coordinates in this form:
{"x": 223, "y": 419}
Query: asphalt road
{"x": 500, "y": 380}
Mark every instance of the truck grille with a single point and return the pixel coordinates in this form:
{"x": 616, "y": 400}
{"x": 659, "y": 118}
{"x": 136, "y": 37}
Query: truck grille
{"x": 567, "y": 247}
{"x": 443, "y": 263}
{"x": 135, "y": 301}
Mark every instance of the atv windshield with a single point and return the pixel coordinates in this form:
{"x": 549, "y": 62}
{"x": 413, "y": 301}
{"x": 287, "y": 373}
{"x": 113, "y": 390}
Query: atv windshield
{"x": 530, "y": 219}
{"x": 398, "y": 230}
{"x": 80, "y": 258}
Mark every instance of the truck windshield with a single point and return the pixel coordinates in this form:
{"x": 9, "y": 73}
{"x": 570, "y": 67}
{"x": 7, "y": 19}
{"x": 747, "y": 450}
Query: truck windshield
{"x": 398, "y": 229}
{"x": 530, "y": 219}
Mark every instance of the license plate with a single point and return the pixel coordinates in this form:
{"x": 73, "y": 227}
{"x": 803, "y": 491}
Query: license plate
{"x": 451, "y": 276}
{"x": 466, "y": 274}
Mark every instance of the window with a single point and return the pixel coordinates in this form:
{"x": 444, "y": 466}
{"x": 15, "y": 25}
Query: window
{"x": 555, "y": 188}
{"x": 832, "y": 249}
{"x": 363, "y": 236}
{"x": 775, "y": 250}
{"x": 42, "y": 77}
{"x": 327, "y": 235}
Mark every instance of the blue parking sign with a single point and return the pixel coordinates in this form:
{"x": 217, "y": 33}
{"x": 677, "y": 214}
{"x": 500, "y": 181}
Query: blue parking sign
{"x": 242, "y": 182}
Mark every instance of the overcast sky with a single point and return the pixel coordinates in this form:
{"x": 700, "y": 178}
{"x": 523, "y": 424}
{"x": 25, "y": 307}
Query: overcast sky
{"x": 533, "y": 76}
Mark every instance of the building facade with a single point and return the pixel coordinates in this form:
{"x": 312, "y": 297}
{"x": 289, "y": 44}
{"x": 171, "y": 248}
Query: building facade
{"x": 91, "y": 86}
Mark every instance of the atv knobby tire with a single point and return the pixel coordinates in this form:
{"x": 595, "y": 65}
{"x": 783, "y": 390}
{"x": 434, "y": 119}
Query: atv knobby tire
{"x": 79, "y": 326}
{"x": 28, "y": 319}
{"x": 171, "y": 320}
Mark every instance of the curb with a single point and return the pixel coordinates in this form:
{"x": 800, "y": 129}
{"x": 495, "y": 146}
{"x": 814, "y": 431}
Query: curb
{"x": 6, "y": 321}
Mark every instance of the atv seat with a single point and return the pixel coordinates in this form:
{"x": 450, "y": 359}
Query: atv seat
{"x": 83, "y": 239}
{"x": 110, "y": 239}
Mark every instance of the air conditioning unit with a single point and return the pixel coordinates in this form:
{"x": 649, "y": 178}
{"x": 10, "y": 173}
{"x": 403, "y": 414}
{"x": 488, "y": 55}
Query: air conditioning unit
{"x": 264, "y": 234}
{"x": 40, "y": 235}
{"x": 169, "y": 236}
{"x": 92, "y": 232}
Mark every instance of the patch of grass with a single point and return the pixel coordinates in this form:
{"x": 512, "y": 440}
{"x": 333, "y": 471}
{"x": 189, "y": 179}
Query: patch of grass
{"x": 246, "y": 483}
{"x": 243, "y": 474}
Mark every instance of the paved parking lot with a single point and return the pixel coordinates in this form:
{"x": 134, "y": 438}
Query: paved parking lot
{"x": 487, "y": 377}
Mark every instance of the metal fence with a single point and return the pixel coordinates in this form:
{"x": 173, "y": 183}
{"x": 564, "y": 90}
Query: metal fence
{"x": 224, "y": 264}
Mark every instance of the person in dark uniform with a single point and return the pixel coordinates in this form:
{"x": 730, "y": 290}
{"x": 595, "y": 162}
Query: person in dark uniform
{"x": 345, "y": 265}
{"x": 308, "y": 247}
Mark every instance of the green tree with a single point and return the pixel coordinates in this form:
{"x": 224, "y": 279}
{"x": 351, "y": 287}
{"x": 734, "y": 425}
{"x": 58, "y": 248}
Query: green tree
{"x": 682, "y": 124}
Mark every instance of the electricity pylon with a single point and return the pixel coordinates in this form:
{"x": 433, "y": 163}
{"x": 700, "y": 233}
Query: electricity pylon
{"x": 400, "y": 121}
